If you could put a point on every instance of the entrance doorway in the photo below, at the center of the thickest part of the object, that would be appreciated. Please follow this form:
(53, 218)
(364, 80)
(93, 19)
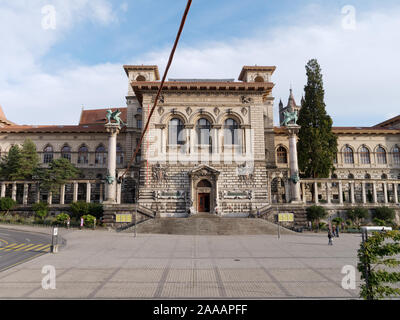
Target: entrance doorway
(203, 202)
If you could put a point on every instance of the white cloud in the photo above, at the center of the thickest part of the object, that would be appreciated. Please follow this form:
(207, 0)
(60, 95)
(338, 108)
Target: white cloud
(361, 68)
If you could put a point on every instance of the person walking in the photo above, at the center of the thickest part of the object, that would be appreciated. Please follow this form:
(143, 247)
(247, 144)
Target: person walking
(333, 230)
(330, 238)
(337, 231)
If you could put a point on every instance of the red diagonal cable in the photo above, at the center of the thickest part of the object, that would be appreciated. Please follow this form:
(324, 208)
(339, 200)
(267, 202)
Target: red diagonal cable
(171, 57)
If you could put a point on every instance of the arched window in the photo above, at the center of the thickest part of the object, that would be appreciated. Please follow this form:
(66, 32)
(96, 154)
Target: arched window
(176, 134)
(83, 155)
(259, 79)
(384, 176)
(231, 132)
(348, 155)
(351, 176)
(140, 78)
(48, 154)
(281, 155)
(66, 153)
(120, 154)
(396, 155)
(367, 176)
(203, 129)
(381, 155)
(100, 155)
(204, 184)
(364, 155)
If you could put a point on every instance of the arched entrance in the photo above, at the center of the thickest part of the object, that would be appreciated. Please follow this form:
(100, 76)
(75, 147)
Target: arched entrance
(204, 196)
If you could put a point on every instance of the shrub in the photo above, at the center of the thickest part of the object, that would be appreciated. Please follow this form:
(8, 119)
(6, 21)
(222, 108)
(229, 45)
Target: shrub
(386, 214)
(379, 222)
(41, 209)
(357, 215)
(6, 204)
(95, 209)
(89, 220)
(79, 209)
(62, 218)
(315, 213)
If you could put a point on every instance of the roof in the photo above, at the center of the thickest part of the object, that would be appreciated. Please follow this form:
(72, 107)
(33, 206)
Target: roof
(142, 68)
(389, 123)
(98, 116)
(201, 80)
(350, 130)
(54, 129)
(255, 68)
(3, 118)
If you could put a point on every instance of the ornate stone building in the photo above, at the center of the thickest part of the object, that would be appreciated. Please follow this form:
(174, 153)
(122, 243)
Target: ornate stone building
(211, 147)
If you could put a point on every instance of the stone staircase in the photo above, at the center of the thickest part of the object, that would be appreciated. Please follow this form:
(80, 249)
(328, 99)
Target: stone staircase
(206, 224)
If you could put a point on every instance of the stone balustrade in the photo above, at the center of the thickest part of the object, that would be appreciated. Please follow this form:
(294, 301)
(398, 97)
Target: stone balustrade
(29, 192)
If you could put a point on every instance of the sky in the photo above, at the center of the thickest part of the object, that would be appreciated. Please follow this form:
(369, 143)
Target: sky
(57, 56)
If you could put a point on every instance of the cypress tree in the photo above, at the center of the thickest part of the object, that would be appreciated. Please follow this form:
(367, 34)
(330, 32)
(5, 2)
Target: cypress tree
(317, 146)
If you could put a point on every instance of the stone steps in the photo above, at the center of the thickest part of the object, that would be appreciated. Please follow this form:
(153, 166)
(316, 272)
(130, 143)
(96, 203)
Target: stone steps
(211, 225)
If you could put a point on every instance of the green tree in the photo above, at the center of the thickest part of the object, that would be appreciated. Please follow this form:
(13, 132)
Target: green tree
(58, 173)
(316, 213)
(386, 214)
(376, 256)
(11, 164)
(79, 209)
(317, 146)
(29, 161)
(41, 210)
(357, 215)
(6, 204)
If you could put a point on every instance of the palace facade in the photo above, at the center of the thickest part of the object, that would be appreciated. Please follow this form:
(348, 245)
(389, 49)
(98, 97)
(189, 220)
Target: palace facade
(211, 147)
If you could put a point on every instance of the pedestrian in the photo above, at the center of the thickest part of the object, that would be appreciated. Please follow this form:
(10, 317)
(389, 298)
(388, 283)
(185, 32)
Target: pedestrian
(81, 226)
(330, 238)
(68, 222)
(258, 213)
(333, 230)
(337, 231)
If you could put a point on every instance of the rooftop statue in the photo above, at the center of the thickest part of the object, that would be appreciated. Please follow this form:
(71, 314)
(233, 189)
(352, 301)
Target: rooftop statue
(114, 116)
(289, 117)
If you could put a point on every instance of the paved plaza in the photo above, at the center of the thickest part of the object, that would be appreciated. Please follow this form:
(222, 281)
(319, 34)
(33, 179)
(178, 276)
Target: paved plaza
(104, 264)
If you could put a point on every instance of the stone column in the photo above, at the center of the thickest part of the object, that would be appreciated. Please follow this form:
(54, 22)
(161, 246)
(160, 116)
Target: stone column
(340, 192)
(352, 198)
(111, 191)
(316, 200)
(75, 194)
(37, 193)
(304, 192)
(328, 193)
(101, 192)
(385, 193)
(14, 191)
(374, 194)
(50, 198)
(396, 197)
(88, 191)
(25, 199)
(364, 195)
(62, 194)
(119, 192)
(294, 166)
(3, 189)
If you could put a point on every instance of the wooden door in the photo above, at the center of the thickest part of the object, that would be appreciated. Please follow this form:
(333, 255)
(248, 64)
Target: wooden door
(203, 202)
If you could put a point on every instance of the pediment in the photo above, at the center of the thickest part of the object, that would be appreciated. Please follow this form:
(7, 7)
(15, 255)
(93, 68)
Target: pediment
(204, 170)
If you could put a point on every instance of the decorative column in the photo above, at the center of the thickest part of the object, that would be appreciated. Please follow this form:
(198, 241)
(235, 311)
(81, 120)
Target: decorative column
(3, 189)
(364, 195)
(328, 193)
(50, 198)
(374, 194)
(396, 196)
(316, 200)
(352, 198)
(75, 195)
(14, 191)
(385, 193)
(88, 191)
(111, 179)
(62, 194)
(293, 130)
(303, 185)
(37, 193)
(25, 199)
(340, 192)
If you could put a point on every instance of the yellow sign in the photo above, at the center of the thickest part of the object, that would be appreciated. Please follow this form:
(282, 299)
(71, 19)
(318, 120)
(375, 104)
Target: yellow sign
(286, 217)
(123, 218)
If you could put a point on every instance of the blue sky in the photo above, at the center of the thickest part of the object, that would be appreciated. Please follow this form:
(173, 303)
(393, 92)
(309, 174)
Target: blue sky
(48, 75)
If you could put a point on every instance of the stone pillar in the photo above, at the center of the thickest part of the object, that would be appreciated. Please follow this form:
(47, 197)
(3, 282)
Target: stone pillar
(3, 190)
(352, 198)
(111, 191)
(75, 195)
(304, 192)
(50, 198)
(37, 193)
(364, 194)
(88, 191)
(328, 193)
(62, 194)
(119, 192)
(287, 191)
(374, 194)
(294, 166)
(14, 191)
(25, 199)
(396, 196)
(340, 192)
(101, 192)
(385, 193)
(316, 200)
